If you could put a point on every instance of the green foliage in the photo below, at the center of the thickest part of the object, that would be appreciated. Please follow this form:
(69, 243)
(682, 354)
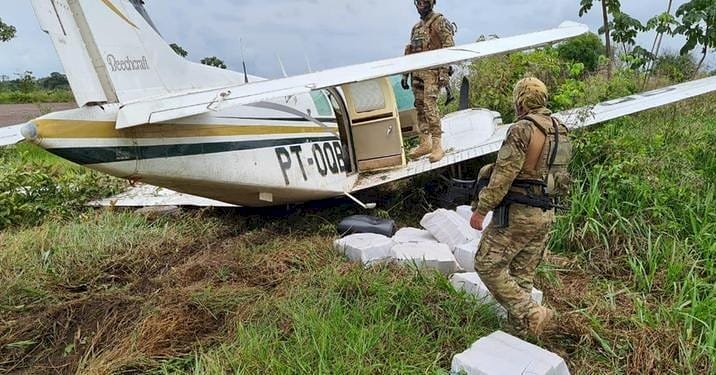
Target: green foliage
(33, 189)
(213, 61)
(698, 25)
(585, 6)
(645, 206)
(663, 23)
(27, 89)
(179, 50)
(625, 28)
(677, 68)
(7, 32)
(585, 49)
(55, 81)
(492, 80)
(27, 82)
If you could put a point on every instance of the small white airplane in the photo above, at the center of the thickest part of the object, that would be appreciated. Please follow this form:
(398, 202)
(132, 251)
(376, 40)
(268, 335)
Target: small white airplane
(150, 116)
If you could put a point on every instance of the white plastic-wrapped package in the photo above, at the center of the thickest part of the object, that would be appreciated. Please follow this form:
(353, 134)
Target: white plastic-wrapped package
(413, 235)
(465, 212)
(448, 227)
(427, 255)
(500, 353)
(465, 255)
(471, 283)
(366, 248)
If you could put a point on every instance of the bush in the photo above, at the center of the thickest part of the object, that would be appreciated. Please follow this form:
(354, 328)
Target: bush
(492, 80)
(32, 190)
(585, 49)
(676, 68)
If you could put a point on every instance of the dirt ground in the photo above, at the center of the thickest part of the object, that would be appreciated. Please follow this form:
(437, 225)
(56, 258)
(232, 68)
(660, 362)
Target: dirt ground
(11, 114)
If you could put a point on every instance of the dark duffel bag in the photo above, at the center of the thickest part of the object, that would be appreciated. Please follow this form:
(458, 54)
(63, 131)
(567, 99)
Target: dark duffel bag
(366, 224)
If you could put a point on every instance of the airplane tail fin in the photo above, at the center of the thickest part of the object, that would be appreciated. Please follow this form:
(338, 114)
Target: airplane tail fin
(112, 53)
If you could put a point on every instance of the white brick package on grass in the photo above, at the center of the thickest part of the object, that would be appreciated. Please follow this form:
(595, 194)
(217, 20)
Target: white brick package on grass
(413, 235)
(427, 255)
(471, 283)
(366, 248)
(448, 227)
(502, 354)
(465, 255)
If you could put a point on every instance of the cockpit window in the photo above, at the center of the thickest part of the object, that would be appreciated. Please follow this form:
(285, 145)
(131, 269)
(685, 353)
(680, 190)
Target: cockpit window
(139, 6)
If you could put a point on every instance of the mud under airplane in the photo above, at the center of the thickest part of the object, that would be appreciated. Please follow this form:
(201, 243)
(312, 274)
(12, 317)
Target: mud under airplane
(150, 116)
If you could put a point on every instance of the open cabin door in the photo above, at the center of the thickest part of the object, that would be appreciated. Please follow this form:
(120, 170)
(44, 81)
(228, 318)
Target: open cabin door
(375, 124)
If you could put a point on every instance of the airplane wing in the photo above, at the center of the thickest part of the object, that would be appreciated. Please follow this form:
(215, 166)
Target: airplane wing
(10, 135)
(191, 103)
(457, 125)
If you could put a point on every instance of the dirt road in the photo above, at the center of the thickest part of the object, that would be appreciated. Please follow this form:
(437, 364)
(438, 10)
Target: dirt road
(11, 114)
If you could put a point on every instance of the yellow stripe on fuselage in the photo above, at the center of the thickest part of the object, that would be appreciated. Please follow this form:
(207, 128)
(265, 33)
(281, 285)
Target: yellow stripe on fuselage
(64, 129)
(116, 11)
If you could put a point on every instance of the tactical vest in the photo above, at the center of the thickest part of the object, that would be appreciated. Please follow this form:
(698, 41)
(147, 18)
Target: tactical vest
(548, 156)
(425, 35)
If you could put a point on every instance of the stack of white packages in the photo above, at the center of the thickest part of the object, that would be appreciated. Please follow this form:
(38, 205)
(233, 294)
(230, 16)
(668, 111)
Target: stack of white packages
(367, 248)
(470, 282)
(413, 235)
(500, 353)
(449, 228)
(427, 255)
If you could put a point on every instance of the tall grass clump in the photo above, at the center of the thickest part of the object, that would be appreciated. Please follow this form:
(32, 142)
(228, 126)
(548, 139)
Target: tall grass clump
(643, 215)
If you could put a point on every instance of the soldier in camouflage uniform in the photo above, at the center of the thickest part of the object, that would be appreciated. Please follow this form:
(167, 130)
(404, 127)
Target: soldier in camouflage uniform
(532, 162)
(433, 32)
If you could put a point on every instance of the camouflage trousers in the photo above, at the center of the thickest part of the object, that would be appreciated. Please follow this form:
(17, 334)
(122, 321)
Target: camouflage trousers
(508, 258)
(426, 88)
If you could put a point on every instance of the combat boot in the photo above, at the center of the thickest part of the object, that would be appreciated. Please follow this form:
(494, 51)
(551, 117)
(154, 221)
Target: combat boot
(422, 149)
(437, 150)
(539, 320)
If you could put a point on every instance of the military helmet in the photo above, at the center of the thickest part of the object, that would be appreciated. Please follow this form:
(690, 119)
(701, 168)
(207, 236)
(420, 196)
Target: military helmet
(432, 2)
(530, 93)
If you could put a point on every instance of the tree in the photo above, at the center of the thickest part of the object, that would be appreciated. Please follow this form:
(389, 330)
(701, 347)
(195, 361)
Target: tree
(7, 32)
(27, 82)
(180, 51)
(213, 61)
(625, 29)
(54, 81)
(608, 7)
(663, 24)
(698, 25)
(585, 49)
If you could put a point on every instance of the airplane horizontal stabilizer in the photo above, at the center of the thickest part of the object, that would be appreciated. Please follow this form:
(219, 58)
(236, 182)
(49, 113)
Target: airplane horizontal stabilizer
(189, 103)
(11, 135)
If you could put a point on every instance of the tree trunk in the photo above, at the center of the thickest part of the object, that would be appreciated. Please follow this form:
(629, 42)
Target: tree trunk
(703, 58)
(607, 38)
(660, 38)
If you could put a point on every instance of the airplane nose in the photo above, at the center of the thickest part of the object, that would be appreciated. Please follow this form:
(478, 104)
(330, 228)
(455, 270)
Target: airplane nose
(29, 131)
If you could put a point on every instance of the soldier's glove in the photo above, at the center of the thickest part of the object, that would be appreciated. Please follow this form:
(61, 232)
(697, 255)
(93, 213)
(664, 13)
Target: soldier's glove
(450, 71)
(404, 82)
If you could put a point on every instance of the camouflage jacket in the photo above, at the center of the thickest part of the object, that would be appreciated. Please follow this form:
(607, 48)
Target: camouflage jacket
(433, 32)
(509, 165)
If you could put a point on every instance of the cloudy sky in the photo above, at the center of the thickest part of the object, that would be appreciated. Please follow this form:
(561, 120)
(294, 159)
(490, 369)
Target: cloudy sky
(327, 33)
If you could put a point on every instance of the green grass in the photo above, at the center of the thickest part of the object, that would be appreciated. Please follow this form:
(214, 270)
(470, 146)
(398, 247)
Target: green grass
(262, 291)
(38, 96)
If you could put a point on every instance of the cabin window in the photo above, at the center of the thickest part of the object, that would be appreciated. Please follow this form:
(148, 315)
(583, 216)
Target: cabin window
(321, 102)
(404, 99)
(367, 96)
